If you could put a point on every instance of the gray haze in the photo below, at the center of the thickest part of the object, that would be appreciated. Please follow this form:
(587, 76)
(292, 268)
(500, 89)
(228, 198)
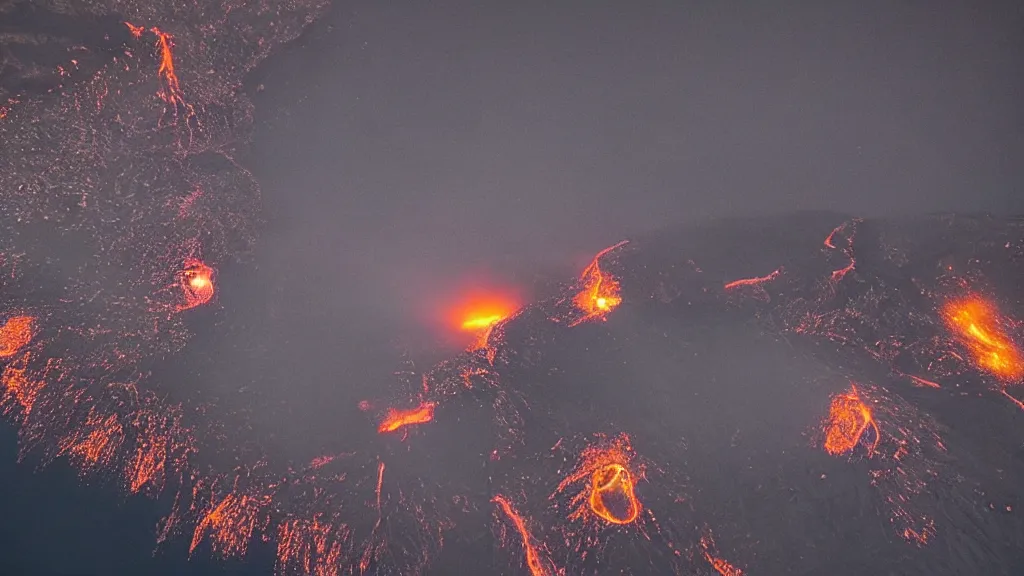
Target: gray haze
(430, 139)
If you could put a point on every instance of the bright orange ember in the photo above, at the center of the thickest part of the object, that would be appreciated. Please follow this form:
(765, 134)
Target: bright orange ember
(601, 291)
(610, 479)
(15, 334)
(848, 418)
(977, 324)
(397, 419)
(196, 284)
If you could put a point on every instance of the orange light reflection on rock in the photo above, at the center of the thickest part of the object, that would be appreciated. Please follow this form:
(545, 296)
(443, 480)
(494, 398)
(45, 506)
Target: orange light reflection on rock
(601, 291)
(97, 443)
(977, 324)
(849, 417)
(159, 437)
(398, 419)
(15, 334)
(534, 560)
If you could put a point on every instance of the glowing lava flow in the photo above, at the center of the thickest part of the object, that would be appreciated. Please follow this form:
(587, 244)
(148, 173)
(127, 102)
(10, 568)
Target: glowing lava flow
(600, 294)
(609, 494)
(196, 284)
(171, 92)
(609, 483)
(848, 418)
(838, 275)
(398, 419)
(15, 334)
(534, 559)
(977, 324)
(753, 281)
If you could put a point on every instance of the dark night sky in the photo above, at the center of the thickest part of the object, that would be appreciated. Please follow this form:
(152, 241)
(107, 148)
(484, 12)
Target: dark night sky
(405, 147)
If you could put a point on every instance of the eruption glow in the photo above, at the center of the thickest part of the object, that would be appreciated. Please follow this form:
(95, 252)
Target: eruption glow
(398, 419)
(478, 311)
(977, 324)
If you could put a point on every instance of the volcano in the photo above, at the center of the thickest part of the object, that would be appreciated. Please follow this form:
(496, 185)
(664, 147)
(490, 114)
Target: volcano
(791, 389)
(809, 393)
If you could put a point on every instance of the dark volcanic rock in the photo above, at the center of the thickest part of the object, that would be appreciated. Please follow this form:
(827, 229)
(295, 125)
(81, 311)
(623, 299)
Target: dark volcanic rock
(724, 393)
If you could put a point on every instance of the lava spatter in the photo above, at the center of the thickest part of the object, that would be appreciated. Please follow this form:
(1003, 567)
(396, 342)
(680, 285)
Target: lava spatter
(162, 446)
(97, 443)
(15, 334)
(20, 388)
(311, 546)
(230, 522)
